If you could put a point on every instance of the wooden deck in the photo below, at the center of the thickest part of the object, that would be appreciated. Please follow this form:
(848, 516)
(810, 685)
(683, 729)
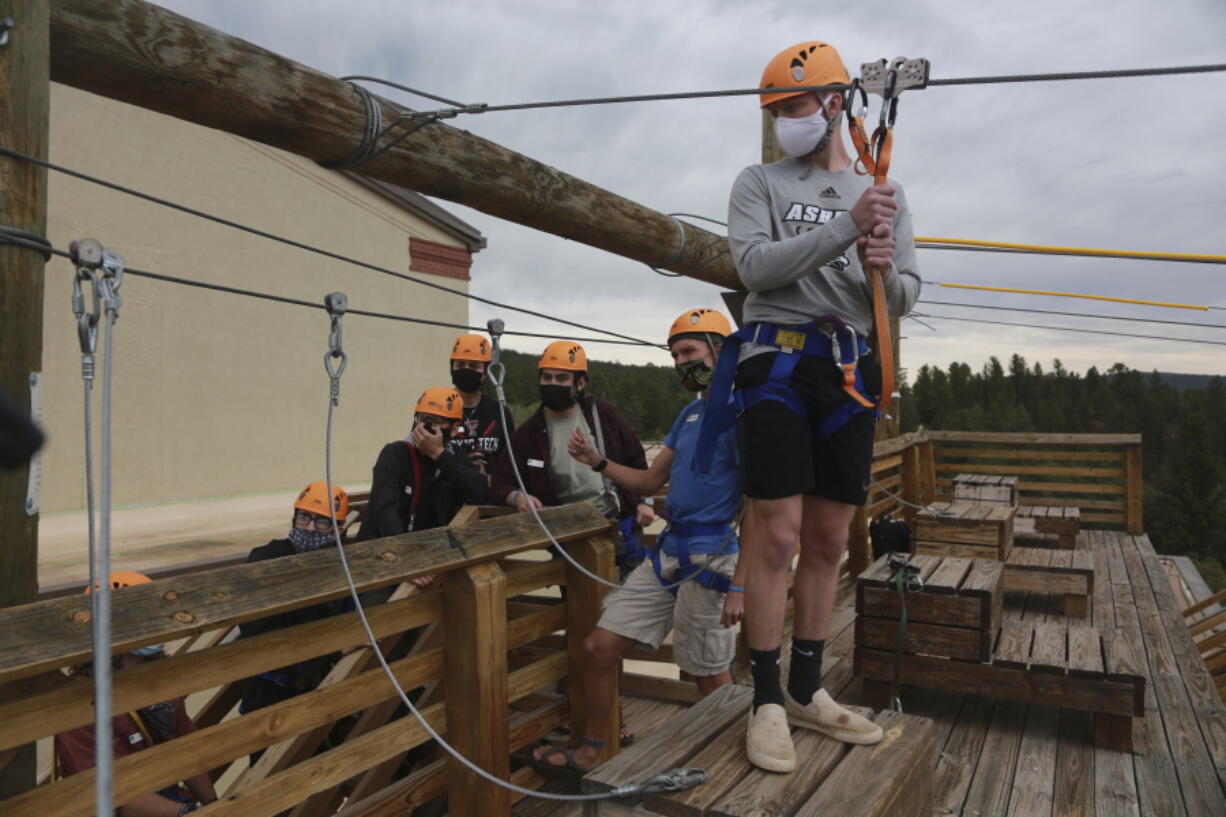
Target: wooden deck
(1009, 758)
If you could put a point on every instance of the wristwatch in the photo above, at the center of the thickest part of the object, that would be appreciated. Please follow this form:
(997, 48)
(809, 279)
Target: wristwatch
(649, 501)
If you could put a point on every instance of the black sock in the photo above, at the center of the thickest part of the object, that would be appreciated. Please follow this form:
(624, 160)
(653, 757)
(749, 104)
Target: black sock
(805, 675)
(766, 685)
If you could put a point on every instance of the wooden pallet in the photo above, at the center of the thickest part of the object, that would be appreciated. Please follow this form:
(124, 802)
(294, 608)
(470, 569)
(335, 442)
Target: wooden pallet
(965, 529)
(985, 488)
(955, 615)
(891, 778)
(1062, 522)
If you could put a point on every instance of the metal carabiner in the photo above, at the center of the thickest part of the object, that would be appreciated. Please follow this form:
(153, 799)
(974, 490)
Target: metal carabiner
(87, 322)
(336, 304)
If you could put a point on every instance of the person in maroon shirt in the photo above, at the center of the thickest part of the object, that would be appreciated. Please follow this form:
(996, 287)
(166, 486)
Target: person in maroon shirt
(135, 731)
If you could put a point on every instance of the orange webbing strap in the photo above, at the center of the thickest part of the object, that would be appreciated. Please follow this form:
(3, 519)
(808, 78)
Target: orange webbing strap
(865, 164)
(881, 316)
(849, 384)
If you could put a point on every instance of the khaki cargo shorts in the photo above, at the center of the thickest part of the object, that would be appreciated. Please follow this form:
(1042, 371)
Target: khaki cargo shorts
(701, 645)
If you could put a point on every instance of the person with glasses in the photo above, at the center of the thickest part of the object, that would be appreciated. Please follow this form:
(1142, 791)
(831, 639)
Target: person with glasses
(317, 512)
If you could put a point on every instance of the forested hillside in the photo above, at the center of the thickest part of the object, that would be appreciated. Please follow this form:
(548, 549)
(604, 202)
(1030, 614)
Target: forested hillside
(1184, 434)
(1184, 428)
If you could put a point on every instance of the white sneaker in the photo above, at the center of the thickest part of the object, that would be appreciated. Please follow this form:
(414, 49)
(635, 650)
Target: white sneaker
(823, 715)
(768, 740)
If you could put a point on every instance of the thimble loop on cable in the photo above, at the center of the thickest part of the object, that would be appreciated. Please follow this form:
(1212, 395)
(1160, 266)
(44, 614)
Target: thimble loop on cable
(336, 304)
(103, 271)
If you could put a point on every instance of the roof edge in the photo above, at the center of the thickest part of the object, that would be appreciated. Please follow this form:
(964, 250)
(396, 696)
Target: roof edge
(419, 205)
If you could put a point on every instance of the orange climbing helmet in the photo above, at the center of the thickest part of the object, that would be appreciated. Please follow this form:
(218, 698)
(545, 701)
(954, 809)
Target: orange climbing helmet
(124, 578)
(700, 323)
(472, 347)
(441, 401)
(810, 63)
(314, 499)
(565, 355)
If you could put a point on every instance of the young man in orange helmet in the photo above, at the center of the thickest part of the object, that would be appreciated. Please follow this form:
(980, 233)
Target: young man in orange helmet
(550, 475)
(699, 542)
(75, 751)
(418, 483)
(479, 434)
(312, 527)
(803, 231)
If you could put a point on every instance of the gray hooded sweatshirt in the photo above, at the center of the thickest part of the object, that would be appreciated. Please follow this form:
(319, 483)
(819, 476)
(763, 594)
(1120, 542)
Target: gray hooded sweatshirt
(793, 243)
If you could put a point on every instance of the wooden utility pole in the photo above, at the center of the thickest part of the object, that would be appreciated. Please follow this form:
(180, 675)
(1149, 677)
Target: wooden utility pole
(24, 103)
(144, 55)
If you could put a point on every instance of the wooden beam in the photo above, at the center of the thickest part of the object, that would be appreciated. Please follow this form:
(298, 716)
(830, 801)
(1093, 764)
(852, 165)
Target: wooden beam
(476, 671)
(1136, 491)
(56, 633)
(583, 606)
(25, 95)
(147, 56)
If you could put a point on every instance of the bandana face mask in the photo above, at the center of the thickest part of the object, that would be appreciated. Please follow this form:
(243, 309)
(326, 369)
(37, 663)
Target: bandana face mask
(695, 374)
(308, 539)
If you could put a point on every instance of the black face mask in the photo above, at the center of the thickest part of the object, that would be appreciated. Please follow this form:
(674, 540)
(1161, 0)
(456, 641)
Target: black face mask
(695, 374)
(466, 380)
(556, 397)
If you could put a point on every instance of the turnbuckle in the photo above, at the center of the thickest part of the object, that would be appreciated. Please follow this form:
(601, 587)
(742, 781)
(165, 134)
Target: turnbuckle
(336, 303)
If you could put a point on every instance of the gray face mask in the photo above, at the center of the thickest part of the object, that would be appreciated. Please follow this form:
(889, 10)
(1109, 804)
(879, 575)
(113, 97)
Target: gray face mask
(308, 539)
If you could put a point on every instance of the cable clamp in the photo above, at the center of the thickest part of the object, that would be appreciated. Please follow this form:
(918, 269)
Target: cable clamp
(103, 271)
(900, 561)
(337, 304)
(673, 780)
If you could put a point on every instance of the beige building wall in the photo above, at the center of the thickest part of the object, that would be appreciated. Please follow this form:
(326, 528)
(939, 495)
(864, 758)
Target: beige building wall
(216, 394)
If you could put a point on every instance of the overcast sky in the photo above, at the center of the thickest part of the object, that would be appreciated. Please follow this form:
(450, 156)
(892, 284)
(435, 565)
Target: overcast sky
(1130, 164)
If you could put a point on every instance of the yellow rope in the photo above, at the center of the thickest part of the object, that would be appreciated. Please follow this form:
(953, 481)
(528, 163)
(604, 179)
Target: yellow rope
(1087, 251)
(1074, 295)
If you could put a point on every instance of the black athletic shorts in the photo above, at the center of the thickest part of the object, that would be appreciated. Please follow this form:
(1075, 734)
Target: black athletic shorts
(779, 454)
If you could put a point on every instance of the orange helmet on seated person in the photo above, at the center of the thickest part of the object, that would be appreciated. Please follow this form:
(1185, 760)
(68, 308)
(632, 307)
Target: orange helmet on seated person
(565, 355)
(314, 499)
(124, 578)
(441, 401)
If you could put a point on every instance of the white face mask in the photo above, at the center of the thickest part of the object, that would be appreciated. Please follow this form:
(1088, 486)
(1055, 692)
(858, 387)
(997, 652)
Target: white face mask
(798, 137)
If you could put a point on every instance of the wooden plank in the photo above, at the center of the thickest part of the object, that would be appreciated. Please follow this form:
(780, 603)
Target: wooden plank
(54, 633)
(675, 742)
(724, 761)
(927, 639)
(1073, 795)
(773, 795)
(892, 777)
(956, 764)
(929, 608)
(1085, 652)
(583, 609)
(67, 707)
(1136, 491)
(1034, 578)
(526, 578)
(1090, 471)
(1049, 653)
(1032, 438)
(476, 696)
(947, 578)
(1036, 764)
(1001, 681)
(1013, 645)
(993, 779)
(948, 452)
(657, 688)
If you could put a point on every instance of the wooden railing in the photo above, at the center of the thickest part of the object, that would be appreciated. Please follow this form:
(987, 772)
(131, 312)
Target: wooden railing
(1098, 473)
(487, 659)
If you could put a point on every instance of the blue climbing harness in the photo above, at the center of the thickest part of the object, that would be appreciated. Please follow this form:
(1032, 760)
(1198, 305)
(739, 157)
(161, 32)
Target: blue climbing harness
(634, 545)
(826, 337)
(679, 535)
